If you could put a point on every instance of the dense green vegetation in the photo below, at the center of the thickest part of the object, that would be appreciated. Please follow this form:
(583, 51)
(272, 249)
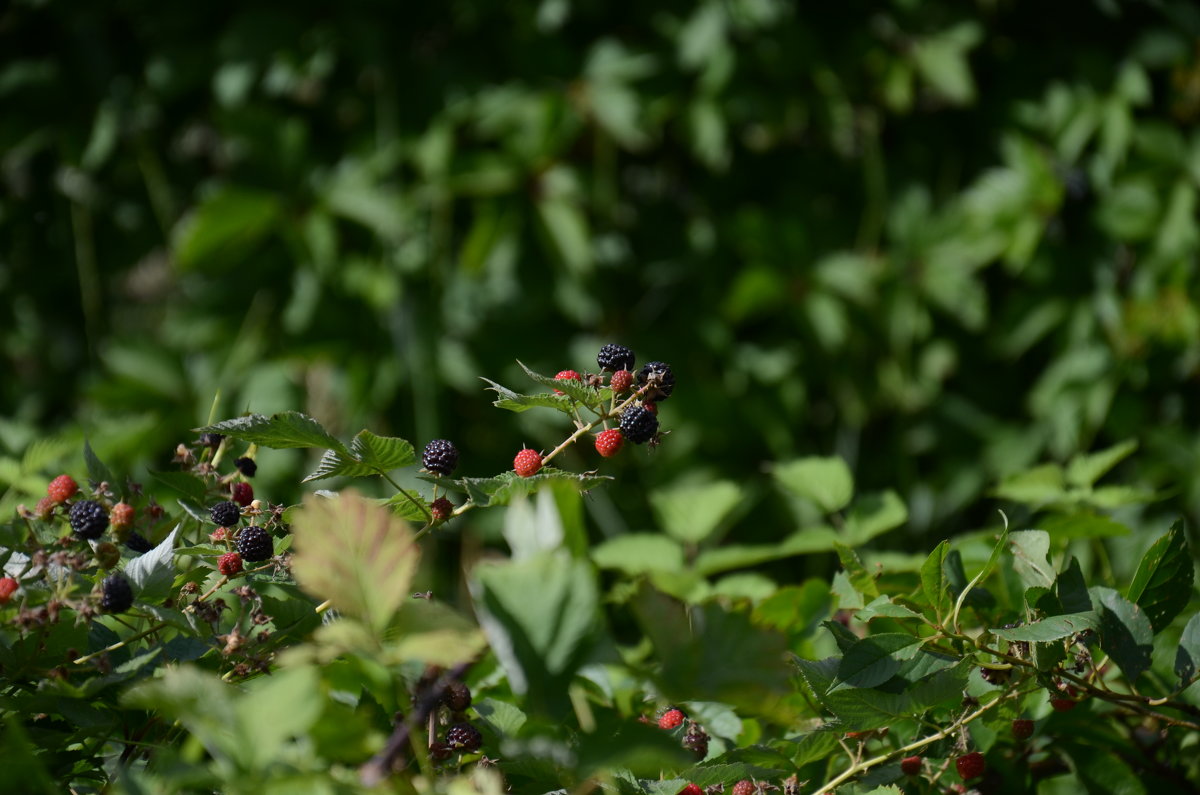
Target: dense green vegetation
(927, 256)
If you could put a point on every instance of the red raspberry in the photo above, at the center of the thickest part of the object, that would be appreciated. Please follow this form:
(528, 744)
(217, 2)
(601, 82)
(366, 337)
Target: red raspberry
(44, 508)
(218, 535)
(441, 509)
(608, 443)
(691, 789)
(566, 374)
(121, 515)
(671, 719)
(1067, 703)
(527, 463)
(1022, 728)
(744, 787)
(8, 586)
(970, 765)
(621, 381)
(62, 488)
(910, 765)
(243, 493)
(229, 564)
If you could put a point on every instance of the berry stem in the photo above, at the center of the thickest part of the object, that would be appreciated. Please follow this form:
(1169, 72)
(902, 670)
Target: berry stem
(321, 608)
(121, 643)
(570, 440)
(407, 496)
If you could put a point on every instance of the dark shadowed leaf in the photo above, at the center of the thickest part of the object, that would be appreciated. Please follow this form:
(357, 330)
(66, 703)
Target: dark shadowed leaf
(1125, 632)
(1187, 656)
(1162, 584)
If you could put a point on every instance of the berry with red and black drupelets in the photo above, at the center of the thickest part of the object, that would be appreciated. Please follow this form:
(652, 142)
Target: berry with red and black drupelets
(230, 564)
(121, 515)
(609, 442)
(658, 381)
(254, 544)
(116, 594)
(88, 519)
(970, 765)
(910, 765)
(441, 509)
(62, 488)
(246, 466)
(613, 357)
(138, 543)
(225, 514)
(8, 587)
(695, 739)
(527, 463)
(1022, 728)
(440, 457)
(242, 493)
(439, 751)
(638, 425)
(456, 696)
(744, 787)
(671, 719)
(566, 375)
(464, 737)
(621, 381)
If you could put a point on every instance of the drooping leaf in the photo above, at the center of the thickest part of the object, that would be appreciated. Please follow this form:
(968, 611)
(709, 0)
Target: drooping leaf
(1163, 582)
(1051, 628)
(825, 481)
(934, 581)
(1126, 634)
(356, 554)
(281, 431)
(862, 580)
(1085, 469)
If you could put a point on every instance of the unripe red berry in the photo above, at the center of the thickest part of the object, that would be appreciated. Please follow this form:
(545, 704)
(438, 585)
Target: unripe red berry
(44, 508)
(121, 515)
(229, 564)
(671, 719)
(527, 463)
(8, 586)
(441, 509)
(910, 765)
(242, 493)
(691, 789)
(744, 787)
(970, 765)
(621, 381)
(608, 443)
(566, 375)
(1022, 728)
(62, 488)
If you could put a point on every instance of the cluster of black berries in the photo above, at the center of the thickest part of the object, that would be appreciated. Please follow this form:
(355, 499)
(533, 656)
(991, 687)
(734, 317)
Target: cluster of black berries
(655, 382)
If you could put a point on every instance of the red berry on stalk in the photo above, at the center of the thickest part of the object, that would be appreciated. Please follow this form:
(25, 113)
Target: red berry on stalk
(608, 443)
(62, 488)
(691, 789)
(1022, 728)
(564, 375)
(44, 508)
(744, 787)
(671, 719)
(121, 515)
(970, 765)
(621, 381)
(8, 586)
(243, 493)
(910, 765)
(230, 564)
(441, 509)
(527, 463)
(1062, 704)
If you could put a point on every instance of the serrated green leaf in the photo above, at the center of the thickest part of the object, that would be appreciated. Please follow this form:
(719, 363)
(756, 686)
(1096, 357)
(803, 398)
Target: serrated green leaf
(1029, 549)
(185, 483)
(873, 515)
(334, 464)
(1163, 582)
(1187, 656)
(577, 390)
(153, 573)
(1085, 470)
(691, 513)
(501, 489)
(862, 580)
(874, 660)
(354, 553)
(637, 553)
(825, 481)
(934, 581)
(412, 507)
(883, 607)
(515, 401)
(97, 471)
(1126, 634)
(859, 709)
(383, 453)
(1051, 628)
(288, 429)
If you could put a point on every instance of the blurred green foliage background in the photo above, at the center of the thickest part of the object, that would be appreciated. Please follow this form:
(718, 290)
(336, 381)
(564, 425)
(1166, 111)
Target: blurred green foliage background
(943, 240)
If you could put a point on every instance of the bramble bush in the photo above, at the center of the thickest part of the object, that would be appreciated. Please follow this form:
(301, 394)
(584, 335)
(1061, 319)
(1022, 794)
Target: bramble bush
(190, 634)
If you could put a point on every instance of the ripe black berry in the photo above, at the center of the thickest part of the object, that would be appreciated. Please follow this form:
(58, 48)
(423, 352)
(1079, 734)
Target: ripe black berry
(254, 544)
(440, 456)
(615, 357)
(212, 440)
(117, 594)
(660, 378)
(464, 737)
(638, 425)
(88, 519)
(138, 543)
(457, 696)
(225, 514)
(695, 740)
(246, 466)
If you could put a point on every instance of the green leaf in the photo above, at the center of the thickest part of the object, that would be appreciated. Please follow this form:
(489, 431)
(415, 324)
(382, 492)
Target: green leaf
(738, 556)
(692, 512)
(862, 580)
(875, 659)
(279, 431)
(260, 717)
(409, 506)
(848, 597)
(383, 453)
(1187, 656)
(859, 709)
(1051, 628)
(225, 229)
(934, 581)
(1062, 527)
(431, 632)
(97, 471)
(1035, 486)
(637, 553)
(1126, 634)
(1029, 549)
(153, 573)
(354, 553)
(874, 515)
(825, 481)
(1162, 584)
(185, 483)
(334, 464)
(883, 607)
(502, 489)
(202, 703)
(1071, 590)
(1085, 470)
(578, 390)
(539, 616)
(514, 401)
